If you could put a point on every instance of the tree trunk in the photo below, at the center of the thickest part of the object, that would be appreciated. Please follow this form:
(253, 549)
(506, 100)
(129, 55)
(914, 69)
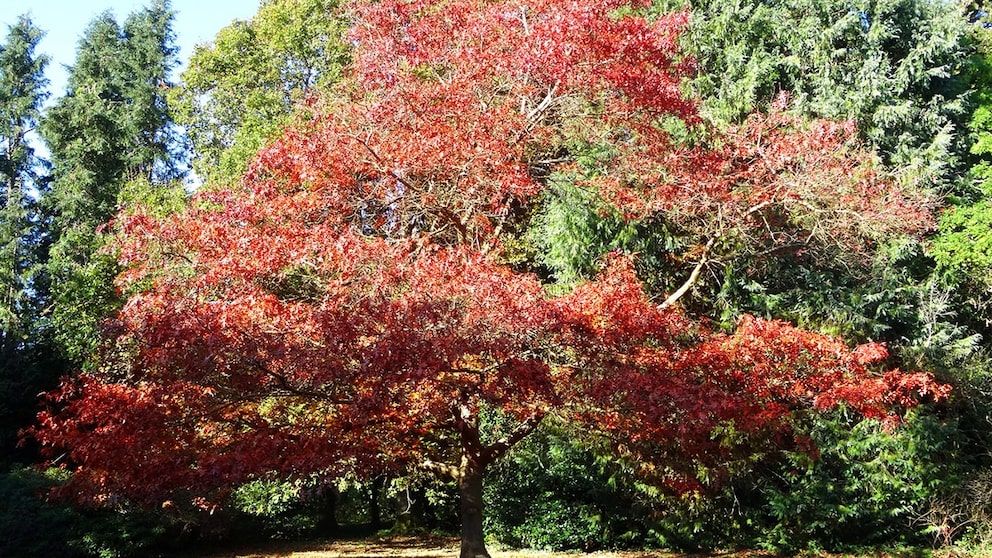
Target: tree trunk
(471, 470)
(470, 492)
(375, 512)
(329, 510)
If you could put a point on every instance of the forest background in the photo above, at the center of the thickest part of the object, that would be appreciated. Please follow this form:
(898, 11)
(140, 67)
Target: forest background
(907, 81)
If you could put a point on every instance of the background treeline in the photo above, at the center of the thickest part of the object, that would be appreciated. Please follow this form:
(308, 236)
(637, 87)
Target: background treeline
(914, 75)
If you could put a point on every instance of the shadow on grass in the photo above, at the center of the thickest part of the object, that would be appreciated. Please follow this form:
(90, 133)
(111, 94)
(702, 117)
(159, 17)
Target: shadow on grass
(363, 544)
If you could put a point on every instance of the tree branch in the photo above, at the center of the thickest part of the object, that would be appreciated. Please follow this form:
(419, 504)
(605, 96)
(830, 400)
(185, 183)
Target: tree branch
(499, 448)
(283, 382)
(693, 277)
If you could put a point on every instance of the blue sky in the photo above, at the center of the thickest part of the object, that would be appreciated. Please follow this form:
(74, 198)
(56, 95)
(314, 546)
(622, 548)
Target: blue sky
(197, 21)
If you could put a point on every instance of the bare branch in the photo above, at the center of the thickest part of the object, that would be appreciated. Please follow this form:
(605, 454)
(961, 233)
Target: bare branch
(693, 277)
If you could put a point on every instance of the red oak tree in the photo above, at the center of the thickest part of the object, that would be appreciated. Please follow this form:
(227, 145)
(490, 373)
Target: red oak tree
(349, 310)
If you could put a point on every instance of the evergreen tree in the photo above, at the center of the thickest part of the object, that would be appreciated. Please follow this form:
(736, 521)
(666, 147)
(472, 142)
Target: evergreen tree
(893, 66)
(22, 92)
(962, 248)
(112, 127)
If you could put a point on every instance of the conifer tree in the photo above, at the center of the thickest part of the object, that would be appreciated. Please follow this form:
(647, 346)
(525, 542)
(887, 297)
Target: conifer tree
(22, 92)
(891, 65)
(112, 127)
(963, 247)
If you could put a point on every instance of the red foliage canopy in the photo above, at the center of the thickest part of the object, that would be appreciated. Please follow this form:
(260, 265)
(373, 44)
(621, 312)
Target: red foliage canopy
(349, 310)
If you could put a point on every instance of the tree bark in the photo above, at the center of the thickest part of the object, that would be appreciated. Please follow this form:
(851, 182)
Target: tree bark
(471, 471)
(375, 512)
(329, 512)
(470, 493)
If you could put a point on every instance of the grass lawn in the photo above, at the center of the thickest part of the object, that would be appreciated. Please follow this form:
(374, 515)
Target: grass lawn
(421, 547)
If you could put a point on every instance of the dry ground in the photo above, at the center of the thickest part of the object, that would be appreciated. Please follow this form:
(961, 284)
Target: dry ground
(410, 547)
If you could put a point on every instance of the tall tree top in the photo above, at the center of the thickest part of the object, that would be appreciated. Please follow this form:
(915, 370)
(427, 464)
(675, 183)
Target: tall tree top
(22, 92)
(111, 128)
(22, 80)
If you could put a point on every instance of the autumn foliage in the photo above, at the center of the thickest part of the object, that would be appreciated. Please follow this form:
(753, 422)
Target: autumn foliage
(348, 308)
